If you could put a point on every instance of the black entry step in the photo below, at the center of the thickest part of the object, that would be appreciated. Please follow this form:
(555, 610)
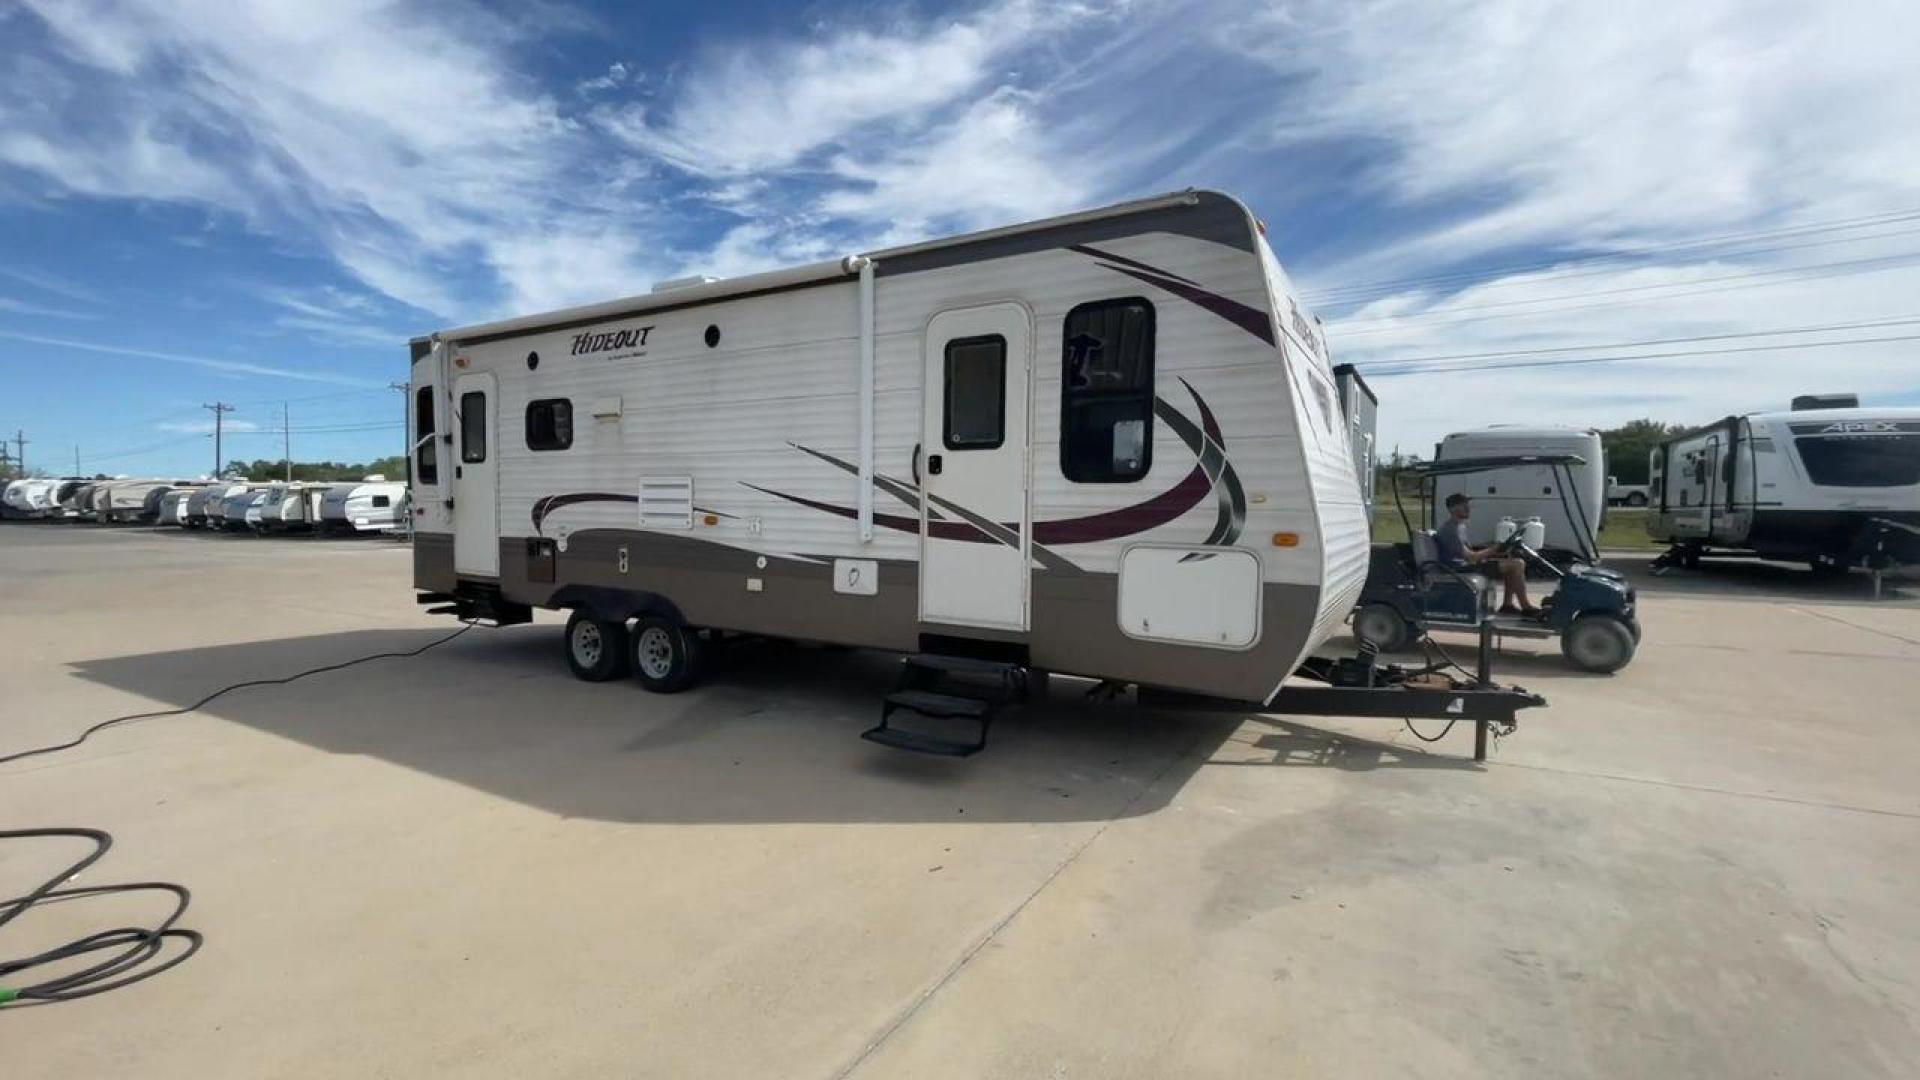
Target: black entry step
(920, 743)
(931, 703)
(934, 703)
(960, 664)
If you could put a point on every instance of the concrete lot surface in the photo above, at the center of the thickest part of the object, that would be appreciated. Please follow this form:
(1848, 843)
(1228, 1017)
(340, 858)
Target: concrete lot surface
(470, 864)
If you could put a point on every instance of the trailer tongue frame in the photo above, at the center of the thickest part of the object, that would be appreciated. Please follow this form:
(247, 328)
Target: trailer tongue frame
(1359, 686)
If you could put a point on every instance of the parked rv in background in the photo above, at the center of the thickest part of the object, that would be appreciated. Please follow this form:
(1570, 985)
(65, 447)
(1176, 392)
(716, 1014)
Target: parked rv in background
(1361, 409)
(1826, 483)
(1572, 517)
(374, 506)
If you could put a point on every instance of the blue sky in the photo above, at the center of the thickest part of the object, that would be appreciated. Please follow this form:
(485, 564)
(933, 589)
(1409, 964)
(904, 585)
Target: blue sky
(259, 203)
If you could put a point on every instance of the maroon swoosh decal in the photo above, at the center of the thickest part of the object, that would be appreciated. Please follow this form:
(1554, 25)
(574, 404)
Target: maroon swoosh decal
(1085, 249)
(1252, 320)
(1113, 524)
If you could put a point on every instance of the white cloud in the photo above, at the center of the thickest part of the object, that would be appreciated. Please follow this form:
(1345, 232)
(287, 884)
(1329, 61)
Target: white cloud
(205, 427)
(24, 307)
(407, 145)
(1623, 129)
(233, 367)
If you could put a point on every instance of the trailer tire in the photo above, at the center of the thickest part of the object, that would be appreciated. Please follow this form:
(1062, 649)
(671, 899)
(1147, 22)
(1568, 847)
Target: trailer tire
(596, 648)
(666, 654)
(1636, 499)
(1598, 643)
(1380, 625)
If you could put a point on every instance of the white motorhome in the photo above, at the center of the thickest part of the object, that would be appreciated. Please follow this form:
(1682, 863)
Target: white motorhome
(1572, 517)
(16, 498)
(1107, 443)
(235, 507)
(132, 500)
(1831, 487)
(371, 506)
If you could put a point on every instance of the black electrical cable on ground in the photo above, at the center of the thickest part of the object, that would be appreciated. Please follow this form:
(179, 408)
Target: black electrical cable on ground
(132, 950)
(131, 717)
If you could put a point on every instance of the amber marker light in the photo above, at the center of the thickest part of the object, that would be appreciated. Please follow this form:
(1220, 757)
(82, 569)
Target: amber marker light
(1286, 539)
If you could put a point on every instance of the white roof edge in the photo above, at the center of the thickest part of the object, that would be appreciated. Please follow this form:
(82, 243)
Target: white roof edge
(798, 275)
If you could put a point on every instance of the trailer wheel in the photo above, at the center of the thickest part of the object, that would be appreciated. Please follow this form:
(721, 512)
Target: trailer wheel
(1636, 499)
(1380, 625)
(1598, 643)
(596, 648)
(666, 654)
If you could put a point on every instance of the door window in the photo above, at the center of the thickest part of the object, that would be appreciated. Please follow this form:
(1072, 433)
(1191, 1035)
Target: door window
(473, 426)
(976, 393)
(426, 465)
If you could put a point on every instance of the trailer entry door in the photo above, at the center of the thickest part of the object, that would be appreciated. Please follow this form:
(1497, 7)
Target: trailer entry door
(476, 518)
(974, 526)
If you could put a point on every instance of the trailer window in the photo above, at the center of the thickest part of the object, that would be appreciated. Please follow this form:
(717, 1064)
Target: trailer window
(473, 426)
(381, 502)
(1861, 461)
(426, 466)
(1106, 392)
(549, 424)
(976, 393)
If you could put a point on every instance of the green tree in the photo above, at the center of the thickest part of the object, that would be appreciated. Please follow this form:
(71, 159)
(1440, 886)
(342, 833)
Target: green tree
(1629, 444)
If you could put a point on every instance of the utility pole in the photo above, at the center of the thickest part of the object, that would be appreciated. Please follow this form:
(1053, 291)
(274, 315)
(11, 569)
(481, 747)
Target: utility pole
(286, 434)
(20, 451)
(406, 455)
(219, 409)
(76, 461)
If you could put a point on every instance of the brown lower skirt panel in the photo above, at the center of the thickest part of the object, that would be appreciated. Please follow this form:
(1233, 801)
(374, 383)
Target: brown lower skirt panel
(1075, 628)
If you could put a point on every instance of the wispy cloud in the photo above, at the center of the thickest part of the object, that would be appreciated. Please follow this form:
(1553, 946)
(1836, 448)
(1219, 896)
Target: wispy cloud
(22, 307)
(205, 427)
(51, 283)
(234, 367)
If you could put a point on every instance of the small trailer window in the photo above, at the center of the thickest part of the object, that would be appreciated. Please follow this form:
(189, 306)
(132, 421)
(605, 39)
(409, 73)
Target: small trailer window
(381, 502)
(1106, 392)
(426, 466)
(549, 424)
(473, 426)
(976, 393)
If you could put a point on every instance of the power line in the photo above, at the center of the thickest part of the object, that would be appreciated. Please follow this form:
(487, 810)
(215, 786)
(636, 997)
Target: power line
(1387, 286)
(1439, 369)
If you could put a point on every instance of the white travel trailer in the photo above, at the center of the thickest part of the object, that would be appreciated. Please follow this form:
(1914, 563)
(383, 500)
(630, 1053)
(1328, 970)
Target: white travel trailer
(235, 507)
(1572, 517)
(1831, 487)
(1362, 412)
(285, 508)
(132, 500)
(1107, 444)
(372, 506)
(173, 506)
(17, 498)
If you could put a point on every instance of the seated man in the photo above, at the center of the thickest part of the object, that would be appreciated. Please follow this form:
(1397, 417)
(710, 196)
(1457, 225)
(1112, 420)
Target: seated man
(1457, 553)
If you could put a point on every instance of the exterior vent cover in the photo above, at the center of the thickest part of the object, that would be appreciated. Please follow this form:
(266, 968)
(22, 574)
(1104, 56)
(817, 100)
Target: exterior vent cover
(1807, 402)
(666, 502)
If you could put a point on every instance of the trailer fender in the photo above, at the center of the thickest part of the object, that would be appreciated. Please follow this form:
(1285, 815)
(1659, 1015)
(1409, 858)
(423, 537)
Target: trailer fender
(615, 605)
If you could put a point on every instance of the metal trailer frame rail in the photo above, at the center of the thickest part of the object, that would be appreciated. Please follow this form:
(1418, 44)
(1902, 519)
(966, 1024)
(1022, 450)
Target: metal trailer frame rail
(1357, 686)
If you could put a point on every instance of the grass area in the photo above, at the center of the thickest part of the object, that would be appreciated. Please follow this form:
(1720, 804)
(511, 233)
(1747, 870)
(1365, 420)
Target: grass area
(1623, 530)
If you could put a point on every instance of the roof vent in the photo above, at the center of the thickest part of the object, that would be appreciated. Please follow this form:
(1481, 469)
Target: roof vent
(1826, 401)
(687, 282)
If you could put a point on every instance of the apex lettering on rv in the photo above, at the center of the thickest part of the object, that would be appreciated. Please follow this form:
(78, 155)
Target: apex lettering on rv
(609, 340)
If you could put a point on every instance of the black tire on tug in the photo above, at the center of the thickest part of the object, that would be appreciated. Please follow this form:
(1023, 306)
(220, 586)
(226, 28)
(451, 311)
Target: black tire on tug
(596, 648)
(1380, 625)
(666, 654)
(1598, 643)
(1636, 499)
